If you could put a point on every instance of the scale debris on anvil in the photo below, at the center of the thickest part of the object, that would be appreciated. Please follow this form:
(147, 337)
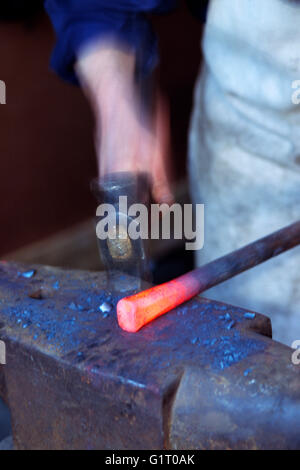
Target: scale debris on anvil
(185, 381)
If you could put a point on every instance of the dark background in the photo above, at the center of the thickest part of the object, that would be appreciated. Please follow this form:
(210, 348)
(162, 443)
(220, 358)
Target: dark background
(46, 145)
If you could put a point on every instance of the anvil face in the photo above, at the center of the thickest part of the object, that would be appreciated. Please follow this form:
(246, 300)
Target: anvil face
(194, 378)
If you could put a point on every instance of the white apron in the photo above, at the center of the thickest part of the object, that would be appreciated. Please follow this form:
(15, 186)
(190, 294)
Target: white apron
(244, 160)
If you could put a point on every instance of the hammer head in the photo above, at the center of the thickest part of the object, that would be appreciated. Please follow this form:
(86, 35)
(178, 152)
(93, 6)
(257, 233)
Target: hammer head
(119, 252)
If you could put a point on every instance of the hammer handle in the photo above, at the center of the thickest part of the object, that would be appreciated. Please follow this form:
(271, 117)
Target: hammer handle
(136, 311)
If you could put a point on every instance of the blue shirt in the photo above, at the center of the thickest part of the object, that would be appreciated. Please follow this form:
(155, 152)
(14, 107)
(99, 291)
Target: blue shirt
(77, 22)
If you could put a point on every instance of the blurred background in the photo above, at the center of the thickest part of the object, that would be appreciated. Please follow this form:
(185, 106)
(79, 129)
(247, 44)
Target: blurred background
(46, 144)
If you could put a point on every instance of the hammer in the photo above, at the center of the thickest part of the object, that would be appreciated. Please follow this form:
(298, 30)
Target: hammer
(119, 252)
(136, 311)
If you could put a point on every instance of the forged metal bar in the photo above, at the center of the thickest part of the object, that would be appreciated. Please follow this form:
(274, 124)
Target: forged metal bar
(136, 311)
(207, 376)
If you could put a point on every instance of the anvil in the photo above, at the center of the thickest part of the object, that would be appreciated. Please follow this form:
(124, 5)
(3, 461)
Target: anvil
(204, 376)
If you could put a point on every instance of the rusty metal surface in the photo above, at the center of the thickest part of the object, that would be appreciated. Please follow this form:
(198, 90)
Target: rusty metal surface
(206, 375)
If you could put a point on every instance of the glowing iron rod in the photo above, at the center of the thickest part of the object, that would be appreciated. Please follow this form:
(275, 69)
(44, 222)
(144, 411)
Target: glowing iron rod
(136, 311)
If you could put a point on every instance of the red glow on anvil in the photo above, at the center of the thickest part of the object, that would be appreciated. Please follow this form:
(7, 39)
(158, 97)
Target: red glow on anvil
(136, 311)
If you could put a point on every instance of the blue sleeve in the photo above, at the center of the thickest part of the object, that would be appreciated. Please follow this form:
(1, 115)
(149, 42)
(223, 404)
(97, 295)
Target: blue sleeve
(77, 22)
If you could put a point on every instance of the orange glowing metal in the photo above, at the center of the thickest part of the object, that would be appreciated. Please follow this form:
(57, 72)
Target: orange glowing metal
(136, 311)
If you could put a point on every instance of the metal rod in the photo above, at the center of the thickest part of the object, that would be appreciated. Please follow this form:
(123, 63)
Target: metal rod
(136, 311)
